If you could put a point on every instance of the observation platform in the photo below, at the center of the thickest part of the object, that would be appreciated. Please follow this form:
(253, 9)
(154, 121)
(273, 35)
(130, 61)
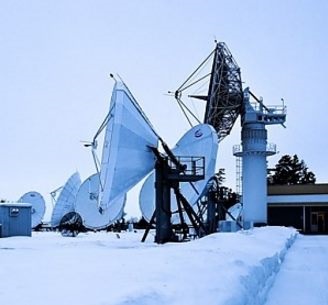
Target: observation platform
(268, 115)
(271, 149)
(187, 169)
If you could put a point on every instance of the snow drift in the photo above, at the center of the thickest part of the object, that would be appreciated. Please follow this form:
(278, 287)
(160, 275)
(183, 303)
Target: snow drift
(101, 269)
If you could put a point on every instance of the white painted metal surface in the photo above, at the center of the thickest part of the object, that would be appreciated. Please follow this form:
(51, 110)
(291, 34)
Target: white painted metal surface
(254, 140)
(254, 153)
(38, 206)
(235, 211)
(201, 141)
(66, 199)
(87, 205)
(299, 199)
(126, 157)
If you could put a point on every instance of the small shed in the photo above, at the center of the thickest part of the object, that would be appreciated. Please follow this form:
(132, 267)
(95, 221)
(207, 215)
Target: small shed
(15, 219)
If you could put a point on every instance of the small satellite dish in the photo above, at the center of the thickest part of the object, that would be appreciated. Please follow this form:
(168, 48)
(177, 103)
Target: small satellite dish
(38, 206)
(201, 140)
(86, 206)
(66, 199)
(126, 156)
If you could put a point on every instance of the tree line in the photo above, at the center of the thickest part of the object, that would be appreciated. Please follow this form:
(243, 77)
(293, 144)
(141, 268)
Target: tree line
(290, 170)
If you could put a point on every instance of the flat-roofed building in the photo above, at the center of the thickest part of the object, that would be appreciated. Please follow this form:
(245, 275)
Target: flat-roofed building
(303, 206)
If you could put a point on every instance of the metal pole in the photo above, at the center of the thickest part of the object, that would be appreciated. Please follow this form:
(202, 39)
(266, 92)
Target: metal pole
(163, 204)
(211, 221)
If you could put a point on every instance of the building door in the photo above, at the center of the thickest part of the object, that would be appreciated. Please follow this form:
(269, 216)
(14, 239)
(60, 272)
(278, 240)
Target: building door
(314, 222)
(321, 222)
(318, 222)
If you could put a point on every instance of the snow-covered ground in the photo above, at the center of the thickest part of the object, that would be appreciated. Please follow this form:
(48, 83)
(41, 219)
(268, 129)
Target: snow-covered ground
(102, 269)
(303, 278)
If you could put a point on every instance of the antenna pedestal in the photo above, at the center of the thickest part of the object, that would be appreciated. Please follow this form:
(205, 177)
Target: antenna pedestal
(169, 172)
(164, 232)
(211, 212)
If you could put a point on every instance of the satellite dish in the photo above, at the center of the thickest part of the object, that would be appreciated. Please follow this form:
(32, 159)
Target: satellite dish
(38, 206)
(201, 140)
(86, 206)
(126, 156)
(66, 199)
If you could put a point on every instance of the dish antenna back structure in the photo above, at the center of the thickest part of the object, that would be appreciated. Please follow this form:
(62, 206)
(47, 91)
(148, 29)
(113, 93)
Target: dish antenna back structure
(180, 179)
(217, 82)
(225, 101)
(220, 88)
(200, 140)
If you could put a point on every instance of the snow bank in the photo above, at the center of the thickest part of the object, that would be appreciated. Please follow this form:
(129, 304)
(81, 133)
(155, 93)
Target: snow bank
(102, 269)
(258, 282)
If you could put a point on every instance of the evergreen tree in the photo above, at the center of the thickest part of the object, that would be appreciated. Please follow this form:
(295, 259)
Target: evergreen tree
(225, 193)
(291, 170)
(220, 175)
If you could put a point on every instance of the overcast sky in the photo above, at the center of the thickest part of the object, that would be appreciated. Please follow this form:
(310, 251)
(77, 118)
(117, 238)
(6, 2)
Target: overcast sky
(55, 58)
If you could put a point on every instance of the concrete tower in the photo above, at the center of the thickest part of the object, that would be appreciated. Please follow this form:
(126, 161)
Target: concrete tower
(254, 151)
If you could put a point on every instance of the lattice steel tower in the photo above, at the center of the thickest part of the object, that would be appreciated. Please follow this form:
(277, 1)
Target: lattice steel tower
(225, 101)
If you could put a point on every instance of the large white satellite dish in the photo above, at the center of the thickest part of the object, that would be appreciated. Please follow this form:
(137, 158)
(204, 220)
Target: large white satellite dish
(201, 140)
(86, 206)
(126, 156)
(66, 199)
(38, 206)
(126, 159)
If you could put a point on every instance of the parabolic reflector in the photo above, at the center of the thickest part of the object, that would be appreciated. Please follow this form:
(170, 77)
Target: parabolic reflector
(86, 206)
(200, 141)
(126, 157)
(38, 206)
(66, 199)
